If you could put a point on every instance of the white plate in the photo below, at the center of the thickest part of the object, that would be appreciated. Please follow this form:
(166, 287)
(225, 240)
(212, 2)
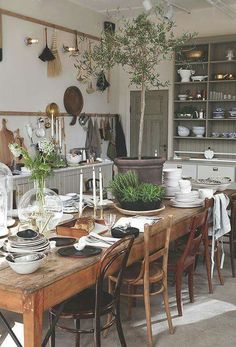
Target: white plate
(10, 222)
(196, 203)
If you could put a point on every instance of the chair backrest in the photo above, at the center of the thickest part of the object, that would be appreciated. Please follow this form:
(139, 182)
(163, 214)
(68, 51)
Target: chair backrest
(89, 184)
(152, 249)
(233, 215)
(113, 260)
(198, 230)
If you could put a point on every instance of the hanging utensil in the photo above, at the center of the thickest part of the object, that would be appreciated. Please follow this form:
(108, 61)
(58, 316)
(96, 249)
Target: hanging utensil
(54, 66)
(46, 54)
(40, 132)
(73, 102)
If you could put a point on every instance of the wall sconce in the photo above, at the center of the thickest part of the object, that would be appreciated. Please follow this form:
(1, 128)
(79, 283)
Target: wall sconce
(29, 41)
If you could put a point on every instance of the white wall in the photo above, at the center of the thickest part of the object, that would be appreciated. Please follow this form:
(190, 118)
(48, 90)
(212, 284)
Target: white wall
(24, 85)
(207, 22)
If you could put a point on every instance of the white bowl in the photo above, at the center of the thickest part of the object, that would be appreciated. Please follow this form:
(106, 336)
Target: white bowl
(183, 131)
(171, 182)
(198, 131)
(182, 97)
(73, 159)
(26, 264)
(172, 172)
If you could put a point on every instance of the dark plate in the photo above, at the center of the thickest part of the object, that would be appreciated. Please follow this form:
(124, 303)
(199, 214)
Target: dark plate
(27, 234)
(63, 241)
(88, 251)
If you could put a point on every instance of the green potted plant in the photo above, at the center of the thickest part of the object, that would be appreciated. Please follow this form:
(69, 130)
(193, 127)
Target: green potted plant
(138, 46)
(134, 195)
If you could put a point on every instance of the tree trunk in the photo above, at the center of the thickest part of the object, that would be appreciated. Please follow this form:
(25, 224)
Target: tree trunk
(140, 142)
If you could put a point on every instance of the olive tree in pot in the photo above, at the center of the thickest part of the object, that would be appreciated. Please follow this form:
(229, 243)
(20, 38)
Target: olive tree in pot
(138, 46)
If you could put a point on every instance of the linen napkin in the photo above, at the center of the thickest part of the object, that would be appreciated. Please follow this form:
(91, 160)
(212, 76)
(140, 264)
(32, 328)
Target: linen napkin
(136, 222)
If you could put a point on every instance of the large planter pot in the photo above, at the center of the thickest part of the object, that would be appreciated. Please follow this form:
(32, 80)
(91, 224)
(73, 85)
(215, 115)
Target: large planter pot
(148, 169)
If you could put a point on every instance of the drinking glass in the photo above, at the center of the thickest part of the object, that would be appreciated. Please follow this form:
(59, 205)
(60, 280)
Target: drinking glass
(109, 219)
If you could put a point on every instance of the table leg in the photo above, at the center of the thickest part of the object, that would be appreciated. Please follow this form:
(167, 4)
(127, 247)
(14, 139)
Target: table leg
(33, 319)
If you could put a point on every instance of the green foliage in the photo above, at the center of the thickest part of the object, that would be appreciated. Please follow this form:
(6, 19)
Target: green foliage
(138, 46)
(126, 187)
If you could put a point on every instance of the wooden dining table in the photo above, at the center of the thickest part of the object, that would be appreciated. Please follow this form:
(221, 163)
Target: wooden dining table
(61, 277)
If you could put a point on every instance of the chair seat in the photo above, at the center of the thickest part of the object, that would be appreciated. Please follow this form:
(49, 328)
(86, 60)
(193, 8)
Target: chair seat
(132, 272)
(82, 305)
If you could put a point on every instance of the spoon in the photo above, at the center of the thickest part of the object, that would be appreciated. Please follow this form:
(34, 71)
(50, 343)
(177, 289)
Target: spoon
(79, 246)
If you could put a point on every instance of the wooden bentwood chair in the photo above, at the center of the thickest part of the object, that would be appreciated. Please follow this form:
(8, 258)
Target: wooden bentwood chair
(148, 272)
(95, 302)
(185, 263)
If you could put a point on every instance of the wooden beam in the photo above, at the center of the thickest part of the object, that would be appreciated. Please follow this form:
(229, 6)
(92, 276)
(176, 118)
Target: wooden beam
(47, 24)
(43, 114)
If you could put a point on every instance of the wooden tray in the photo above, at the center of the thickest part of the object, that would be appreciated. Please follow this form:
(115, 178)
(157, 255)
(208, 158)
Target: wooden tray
(67, 229)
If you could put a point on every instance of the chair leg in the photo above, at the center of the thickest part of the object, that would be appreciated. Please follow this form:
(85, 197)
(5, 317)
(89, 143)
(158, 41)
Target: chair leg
(97, 333)
(208, 266)
(111, 285)
(130, 300)
(53, 335)
(167, 308)
(148, 313)
(190, 284)
(218, 263)
(178, 287)
(119, 326)
(231, 248)
(77, 336)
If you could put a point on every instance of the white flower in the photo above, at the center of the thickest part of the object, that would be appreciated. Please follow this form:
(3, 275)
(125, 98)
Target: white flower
(15, 149)
(46, 146)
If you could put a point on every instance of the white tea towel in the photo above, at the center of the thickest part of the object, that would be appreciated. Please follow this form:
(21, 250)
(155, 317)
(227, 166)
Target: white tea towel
(221, 225)
(136, 222)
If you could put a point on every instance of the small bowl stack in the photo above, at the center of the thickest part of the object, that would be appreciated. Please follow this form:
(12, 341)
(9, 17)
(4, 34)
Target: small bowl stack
(171, 179)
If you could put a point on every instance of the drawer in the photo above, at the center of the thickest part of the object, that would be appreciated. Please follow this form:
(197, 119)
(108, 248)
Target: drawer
(188, 170)
(215, 171)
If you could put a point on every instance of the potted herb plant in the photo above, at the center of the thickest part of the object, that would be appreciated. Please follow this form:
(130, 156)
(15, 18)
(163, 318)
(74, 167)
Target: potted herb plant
(134, 195)
(138, 46)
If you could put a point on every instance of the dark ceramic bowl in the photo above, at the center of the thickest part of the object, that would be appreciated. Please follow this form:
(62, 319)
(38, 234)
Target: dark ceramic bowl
(27, 234)
(141, 205)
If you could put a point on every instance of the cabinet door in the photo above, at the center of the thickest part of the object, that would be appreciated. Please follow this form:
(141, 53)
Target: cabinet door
(188, 170)
(216, 171)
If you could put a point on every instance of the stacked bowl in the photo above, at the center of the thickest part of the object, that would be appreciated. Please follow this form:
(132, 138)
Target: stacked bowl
(171, 179)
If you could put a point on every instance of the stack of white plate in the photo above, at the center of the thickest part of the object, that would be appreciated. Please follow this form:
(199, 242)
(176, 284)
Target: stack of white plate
(70, 203)
(171, 179)
(16, 244)
(187, 200)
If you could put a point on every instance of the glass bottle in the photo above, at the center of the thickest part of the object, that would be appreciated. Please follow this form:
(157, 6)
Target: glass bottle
(3, 205)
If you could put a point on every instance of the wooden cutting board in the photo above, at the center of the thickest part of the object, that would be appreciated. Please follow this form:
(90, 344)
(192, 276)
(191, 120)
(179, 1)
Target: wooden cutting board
(6, 137)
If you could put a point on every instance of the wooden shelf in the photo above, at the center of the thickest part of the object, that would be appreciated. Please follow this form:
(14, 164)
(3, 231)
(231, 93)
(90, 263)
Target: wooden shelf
(191, 63)
(222, 100)
(204, 138)
(222, 119)
(191, 82)
(190, 119)
(222, 61)
(190, 101)
(221, 81)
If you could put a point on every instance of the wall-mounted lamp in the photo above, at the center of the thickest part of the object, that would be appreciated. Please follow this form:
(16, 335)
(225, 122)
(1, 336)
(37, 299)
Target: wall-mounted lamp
(29, 41)
(67, 49)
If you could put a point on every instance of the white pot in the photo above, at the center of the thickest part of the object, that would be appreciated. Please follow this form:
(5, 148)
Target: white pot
(185, 74)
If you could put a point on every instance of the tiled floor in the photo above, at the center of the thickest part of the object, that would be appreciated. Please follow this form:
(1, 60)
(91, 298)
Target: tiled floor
(209, 322)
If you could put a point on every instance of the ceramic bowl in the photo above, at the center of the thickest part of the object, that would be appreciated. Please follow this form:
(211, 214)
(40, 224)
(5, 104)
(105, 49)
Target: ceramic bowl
(182, 97)
(26, 264)
(198, 131)
(214, 134)
(73, 159)
(183, 131)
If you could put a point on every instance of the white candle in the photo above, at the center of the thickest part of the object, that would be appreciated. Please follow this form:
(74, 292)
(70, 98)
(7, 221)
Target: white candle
(81, 193)
(100, 187)
(59, 125)
(52, 124)
(56, 131)
(94, 189)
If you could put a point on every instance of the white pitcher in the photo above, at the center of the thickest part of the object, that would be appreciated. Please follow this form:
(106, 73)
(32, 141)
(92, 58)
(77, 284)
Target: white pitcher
(185, 74)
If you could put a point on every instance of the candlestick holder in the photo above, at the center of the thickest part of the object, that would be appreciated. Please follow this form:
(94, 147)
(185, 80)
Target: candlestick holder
(95, 212)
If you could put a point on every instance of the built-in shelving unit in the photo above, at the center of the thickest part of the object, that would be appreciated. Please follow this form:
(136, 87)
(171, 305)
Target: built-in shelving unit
(215, 93)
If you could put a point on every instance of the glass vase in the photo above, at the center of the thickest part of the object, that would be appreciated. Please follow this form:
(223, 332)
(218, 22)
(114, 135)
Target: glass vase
(6, 172)
(41, 207)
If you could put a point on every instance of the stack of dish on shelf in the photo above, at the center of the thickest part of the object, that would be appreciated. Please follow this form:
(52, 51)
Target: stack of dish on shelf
(171, 179)
(219, 113)
(233, 113)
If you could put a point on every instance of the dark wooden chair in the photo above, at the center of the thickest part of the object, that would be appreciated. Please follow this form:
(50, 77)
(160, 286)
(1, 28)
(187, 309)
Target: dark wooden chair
(148, 272)
(95, 302)
(185, 263)
(89, 184)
